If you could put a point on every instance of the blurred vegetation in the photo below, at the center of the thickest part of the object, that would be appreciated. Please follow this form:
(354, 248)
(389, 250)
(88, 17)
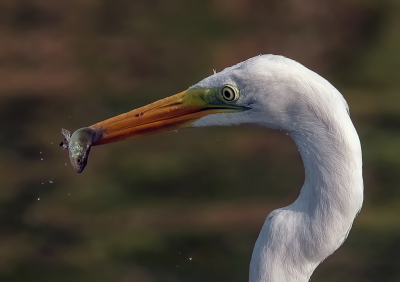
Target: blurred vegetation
(186, 206)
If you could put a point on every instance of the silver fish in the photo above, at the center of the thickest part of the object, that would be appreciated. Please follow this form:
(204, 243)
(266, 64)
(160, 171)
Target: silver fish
(78, 145)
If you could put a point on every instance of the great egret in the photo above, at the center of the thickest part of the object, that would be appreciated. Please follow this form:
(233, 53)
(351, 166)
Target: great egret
(279, 93)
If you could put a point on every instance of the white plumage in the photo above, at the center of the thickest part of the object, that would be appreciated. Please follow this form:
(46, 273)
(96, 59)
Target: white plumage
(282, 94)
(279, 93)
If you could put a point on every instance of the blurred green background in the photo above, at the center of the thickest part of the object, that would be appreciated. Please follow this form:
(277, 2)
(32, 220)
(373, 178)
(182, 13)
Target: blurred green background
(184, 206)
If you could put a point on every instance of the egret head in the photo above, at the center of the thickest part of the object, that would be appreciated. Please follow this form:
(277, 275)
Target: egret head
(269, 90)
(276, 92)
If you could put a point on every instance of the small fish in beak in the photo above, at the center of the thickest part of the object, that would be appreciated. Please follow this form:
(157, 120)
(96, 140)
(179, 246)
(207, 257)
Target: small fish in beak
(78, 146)
(171, 113)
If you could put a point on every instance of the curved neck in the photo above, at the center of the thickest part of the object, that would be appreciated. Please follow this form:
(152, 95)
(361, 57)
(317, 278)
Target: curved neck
(331, 155)
(295, 239)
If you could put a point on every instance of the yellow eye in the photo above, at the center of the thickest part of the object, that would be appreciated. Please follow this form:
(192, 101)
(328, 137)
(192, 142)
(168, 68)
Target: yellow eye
(229, 93)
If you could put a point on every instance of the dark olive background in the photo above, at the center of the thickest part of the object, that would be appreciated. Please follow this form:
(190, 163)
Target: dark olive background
(183, 206)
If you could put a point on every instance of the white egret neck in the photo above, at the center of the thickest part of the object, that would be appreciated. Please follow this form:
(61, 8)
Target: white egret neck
(281, 93)
(296, 239)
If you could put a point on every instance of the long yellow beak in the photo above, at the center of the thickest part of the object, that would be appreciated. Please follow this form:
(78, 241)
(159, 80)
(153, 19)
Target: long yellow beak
(177, 111)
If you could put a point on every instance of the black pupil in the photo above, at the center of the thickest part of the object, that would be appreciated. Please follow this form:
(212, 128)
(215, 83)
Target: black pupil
(228, 94)
(79, 160)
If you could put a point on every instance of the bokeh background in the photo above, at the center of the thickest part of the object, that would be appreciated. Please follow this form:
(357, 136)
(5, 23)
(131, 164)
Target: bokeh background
(185, 206)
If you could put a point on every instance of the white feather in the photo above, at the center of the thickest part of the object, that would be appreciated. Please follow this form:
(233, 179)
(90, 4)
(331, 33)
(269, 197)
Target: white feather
(283, 94)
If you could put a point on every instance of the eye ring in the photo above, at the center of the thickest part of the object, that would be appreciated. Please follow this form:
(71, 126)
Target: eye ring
(229, 93)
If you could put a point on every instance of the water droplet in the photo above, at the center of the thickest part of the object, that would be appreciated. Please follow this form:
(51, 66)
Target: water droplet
(41, 159)
(40, 152)
(42, 183)
(51, 181)
(190, 258)
(65, 163)
(176, 131)
(69, 194)
(287, 133)
(51, 143)
(38, 199)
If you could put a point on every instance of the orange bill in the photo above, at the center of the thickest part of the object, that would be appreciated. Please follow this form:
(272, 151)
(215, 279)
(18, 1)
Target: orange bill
(175, 112)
